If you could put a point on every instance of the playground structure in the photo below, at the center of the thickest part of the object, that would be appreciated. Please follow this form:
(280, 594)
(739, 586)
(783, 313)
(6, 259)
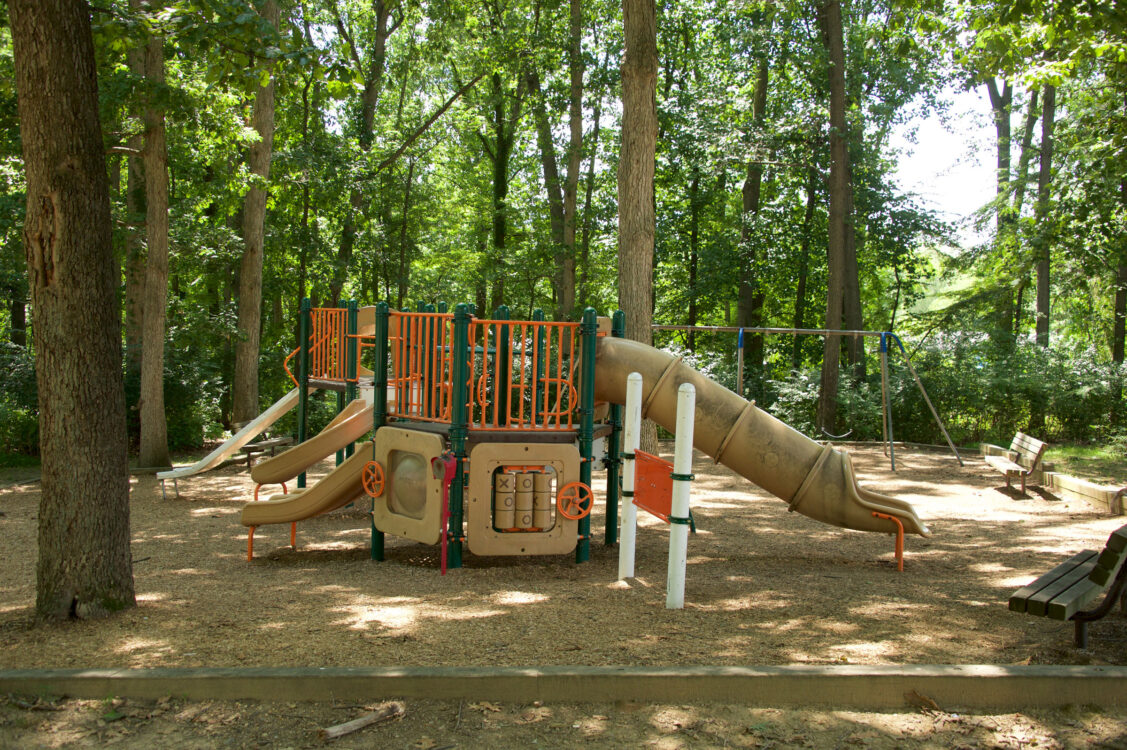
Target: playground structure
(485, 432)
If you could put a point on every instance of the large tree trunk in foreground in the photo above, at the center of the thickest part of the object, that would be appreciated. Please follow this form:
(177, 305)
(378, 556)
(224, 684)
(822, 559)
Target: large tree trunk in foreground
(636, 176)
(245, 397)
(838, 187)
(153, 450)
(84, 567)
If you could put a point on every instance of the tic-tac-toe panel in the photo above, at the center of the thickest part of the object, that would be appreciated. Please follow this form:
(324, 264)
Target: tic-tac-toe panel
(511, 503)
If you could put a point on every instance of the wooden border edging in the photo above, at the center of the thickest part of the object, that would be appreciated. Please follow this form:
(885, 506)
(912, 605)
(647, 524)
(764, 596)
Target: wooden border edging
(805, 686)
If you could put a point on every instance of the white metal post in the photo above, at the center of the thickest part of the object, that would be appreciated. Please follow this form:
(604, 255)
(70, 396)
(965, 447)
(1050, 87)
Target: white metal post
(679, 512)
(631, 438)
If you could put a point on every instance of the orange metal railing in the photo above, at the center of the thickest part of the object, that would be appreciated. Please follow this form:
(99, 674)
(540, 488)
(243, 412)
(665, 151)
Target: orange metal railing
(529, 386)
(328, 345)
(422, 366)
(520, 372)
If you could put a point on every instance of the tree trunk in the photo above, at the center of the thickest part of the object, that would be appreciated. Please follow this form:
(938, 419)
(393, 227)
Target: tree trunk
(749, 308)
(17, 322)
(369, 98)
(153, 450)
(134, 239)
(803, 267)
(565, 293)
(851, 294)
(1001, 105)
(839, 192)
(589, 190)
(636, 175)
(694, 254)
(245, 397)
(1044, 231)
(574, 157)
(404, 257)
(84, 567)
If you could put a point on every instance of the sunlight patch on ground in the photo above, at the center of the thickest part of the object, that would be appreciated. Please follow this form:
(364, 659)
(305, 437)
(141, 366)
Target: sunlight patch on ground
(151, 597)
(503, 598)
(221, 511)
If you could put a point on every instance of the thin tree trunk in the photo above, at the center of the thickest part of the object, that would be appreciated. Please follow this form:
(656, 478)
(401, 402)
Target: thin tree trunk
(1001, 104)
(84, 567)
(153, 450)
(694, 253)
(1044, 232)
(838, 189)
(574, 158)
(749, 309)
(636, 223)
(245, 397)
(803, 268)
(404, 258)
(589, 190)
(564, 286)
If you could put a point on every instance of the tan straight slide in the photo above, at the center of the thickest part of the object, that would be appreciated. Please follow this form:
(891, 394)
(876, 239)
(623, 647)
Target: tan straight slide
(353, 423)
(238, 440)
(813, 479)
(338, 488)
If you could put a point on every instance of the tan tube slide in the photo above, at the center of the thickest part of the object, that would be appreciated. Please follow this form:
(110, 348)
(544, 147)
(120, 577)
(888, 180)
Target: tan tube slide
(338, 488)
(814, 480)
(353, 423)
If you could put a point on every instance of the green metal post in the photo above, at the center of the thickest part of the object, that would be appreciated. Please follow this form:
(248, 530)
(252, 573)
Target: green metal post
(614, 459)
(379, 403)
(587, 331)
(305, 324)
(459, 431)
(352, 352)
(502, 362)
(538, 373)
(430, 373)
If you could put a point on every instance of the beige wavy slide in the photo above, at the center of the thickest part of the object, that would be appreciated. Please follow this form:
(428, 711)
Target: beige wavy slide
(814, 480)
(338, 488)
(248, 433)
(353, 423)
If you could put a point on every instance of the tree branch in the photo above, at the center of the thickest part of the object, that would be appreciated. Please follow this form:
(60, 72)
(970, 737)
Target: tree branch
(426, 125)
(348, 38)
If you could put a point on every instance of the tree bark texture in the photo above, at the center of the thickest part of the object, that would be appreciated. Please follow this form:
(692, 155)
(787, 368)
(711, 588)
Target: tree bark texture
(153, 450)
(637, 153)
(838, 189)
(636, 168)
(244, 405)
(84, 567)
(1044, 232)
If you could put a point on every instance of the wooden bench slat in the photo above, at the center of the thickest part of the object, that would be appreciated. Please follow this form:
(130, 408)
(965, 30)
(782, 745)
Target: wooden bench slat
(1118, 539)
(1078, 597)
(1004, 465)
(1107, 565)
(1019, 600)
(1060, 589)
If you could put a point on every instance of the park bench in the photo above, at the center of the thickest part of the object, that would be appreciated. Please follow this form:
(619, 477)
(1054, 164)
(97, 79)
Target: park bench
(1061, 593)
(1022, 459)
(271, 444)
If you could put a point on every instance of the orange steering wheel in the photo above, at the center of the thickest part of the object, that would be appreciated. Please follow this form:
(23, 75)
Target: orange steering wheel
(575, 500)
(372, 478)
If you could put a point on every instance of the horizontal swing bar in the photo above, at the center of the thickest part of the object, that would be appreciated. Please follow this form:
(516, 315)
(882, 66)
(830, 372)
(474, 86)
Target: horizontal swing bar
(737, 329)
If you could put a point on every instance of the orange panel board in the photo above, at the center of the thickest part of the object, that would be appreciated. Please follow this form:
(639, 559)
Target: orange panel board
(653, 484)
